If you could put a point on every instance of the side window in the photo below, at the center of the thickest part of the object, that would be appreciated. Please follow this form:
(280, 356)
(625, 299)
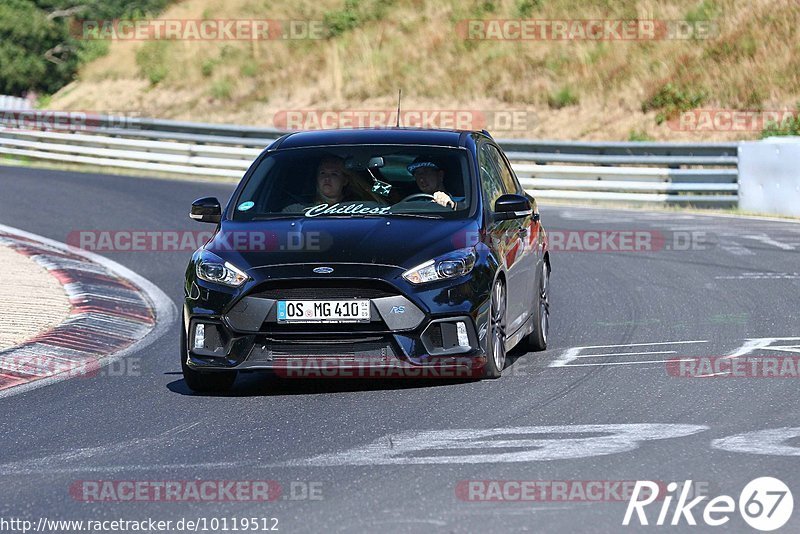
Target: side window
(506, 174)
(491, 181)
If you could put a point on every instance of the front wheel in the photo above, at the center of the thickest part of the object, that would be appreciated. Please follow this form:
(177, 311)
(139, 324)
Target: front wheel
(211, 382)
(537, 340)
(496, 343)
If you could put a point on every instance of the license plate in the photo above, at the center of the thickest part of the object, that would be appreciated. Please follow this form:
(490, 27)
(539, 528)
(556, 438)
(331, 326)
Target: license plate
(323, 311)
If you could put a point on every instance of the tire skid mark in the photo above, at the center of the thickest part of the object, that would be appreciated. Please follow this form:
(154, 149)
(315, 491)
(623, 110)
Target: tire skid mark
(108, 315)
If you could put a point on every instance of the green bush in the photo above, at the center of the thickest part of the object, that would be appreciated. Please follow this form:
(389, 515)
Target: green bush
(339, 22)
(562, 98)
(221, 89)
(249, 69)
(152, 61)
(639, 135)
(483, 7)
(789, 126)
(354, 14)
(525, 8)
(207, 67)
(91, 50)
(705, 10)
(671, 99)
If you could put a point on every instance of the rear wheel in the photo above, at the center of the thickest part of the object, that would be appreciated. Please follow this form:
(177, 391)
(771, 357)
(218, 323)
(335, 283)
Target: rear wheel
(496, 344)
(537, 340)
(204, 382)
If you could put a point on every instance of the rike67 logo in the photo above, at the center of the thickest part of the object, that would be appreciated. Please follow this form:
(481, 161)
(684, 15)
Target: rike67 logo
(765, 504)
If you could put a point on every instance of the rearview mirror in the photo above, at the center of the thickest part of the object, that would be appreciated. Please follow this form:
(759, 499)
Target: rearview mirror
(511, 207)
(376, 162)
(207, 210)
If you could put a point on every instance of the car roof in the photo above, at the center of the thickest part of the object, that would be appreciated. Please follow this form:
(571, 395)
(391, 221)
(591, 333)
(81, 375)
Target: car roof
(374, 136)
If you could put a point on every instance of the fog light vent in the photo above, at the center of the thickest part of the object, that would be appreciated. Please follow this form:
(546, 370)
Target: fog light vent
(435, 333)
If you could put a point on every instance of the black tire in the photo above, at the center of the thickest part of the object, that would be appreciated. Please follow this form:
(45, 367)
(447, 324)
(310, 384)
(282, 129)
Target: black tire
(495, 342)
(537, 339)
(208, 382)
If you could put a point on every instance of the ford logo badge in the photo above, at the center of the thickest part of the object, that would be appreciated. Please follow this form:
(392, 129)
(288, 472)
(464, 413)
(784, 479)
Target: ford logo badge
(323, 270)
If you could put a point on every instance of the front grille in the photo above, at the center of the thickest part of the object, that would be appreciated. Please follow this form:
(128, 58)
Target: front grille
(371, 348)
(316, 290)
(374, 326)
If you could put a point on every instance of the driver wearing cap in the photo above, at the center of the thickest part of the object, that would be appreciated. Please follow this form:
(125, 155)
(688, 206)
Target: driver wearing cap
(430, 180)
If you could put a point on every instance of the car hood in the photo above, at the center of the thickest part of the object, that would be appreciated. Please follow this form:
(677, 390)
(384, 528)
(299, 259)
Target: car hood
(397, 242)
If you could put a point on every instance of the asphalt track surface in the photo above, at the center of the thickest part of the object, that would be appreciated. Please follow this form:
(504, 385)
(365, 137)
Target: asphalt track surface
(377, 449)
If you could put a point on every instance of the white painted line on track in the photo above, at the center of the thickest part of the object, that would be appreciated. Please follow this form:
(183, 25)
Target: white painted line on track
(765, 343)
(673, 215)
(731, 247)
(760, 276)
(574, 353)
(773, 442)
(624, 354)
(764, 238)
(500, 445)
(643, 344)
(603, 364)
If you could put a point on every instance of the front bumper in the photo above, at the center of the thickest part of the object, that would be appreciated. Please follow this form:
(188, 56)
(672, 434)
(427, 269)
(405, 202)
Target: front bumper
(411, 334)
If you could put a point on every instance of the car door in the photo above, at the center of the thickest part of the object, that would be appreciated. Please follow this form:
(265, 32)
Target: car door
(530, 234)
(507, 238)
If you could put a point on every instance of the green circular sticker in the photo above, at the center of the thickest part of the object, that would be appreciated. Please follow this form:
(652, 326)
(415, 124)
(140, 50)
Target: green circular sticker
(244, 206)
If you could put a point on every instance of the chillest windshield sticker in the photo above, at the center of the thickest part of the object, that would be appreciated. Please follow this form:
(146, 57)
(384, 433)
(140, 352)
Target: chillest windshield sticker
(351, 209)
(244, 206)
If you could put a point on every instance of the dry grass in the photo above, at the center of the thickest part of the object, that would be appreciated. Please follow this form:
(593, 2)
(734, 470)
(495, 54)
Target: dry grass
(754, 63)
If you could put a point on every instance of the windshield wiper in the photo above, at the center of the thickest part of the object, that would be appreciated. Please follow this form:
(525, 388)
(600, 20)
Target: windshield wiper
(275, 216)
(342, 215)
(424, 216)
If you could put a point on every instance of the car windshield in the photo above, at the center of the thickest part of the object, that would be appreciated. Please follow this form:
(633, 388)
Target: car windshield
(358, 181)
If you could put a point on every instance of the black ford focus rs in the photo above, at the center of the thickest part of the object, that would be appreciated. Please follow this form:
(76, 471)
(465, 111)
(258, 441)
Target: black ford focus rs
(367, 253)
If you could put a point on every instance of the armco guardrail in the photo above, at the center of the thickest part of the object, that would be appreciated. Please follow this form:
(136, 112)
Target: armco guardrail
(620, 171)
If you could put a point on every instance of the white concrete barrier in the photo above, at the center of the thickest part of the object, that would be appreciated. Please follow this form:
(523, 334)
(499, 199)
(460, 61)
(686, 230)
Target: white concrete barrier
(769, 176)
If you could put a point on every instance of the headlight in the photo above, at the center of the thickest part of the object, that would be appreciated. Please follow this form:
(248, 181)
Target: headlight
(451, 265)
(212, 268)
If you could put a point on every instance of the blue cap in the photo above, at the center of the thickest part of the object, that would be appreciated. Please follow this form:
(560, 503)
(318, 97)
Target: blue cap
(419, 164)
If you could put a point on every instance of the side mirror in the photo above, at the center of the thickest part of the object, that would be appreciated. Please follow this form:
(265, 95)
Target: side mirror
(207, 210)
(534, 208)
(511, 207)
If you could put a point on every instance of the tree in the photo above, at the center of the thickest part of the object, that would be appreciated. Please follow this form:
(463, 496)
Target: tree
(37, 49)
